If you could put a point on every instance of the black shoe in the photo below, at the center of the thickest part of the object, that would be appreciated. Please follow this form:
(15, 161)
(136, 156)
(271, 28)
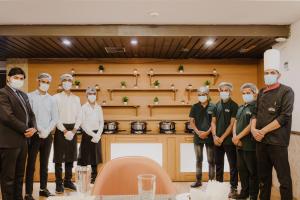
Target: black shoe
(92, 181)
(239, 196)
(28, 197)
(45, 193)
(196, 184)
(233, 192)
(69, 185)
(59, 189)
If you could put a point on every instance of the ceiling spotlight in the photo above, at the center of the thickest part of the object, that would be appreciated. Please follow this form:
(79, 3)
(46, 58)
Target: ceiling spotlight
(153, 14)
(66, 42)
(209, 42)
(134, 42)
(280, 39)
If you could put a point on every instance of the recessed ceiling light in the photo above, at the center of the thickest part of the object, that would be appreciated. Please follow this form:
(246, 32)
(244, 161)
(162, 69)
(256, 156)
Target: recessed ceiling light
(209, 42)
(153, 14)
(280, 39)
(66, 42)
(134, 42)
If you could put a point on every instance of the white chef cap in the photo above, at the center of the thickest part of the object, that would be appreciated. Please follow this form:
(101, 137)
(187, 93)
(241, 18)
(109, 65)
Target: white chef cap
(66, 77)
(272, 59)
(91, 90)
(44, 76)
(251, 86)
(225, 84)
(203, 89)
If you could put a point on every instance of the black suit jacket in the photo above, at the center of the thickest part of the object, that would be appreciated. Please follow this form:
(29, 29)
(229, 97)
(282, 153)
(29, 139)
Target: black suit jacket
(13, 118)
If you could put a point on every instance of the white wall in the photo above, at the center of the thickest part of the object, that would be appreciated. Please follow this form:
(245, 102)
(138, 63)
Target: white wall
(290, 52)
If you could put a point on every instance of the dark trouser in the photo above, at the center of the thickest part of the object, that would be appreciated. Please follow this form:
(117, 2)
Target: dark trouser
(269, 156)
(44, 147)
(230, 151)
(12, 168)
(210, 158)
(68, 172)
(247, 167)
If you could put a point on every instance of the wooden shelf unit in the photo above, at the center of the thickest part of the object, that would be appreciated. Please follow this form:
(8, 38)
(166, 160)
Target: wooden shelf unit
(215, 76)
(110, 91)
(78, 90)
(136, 107)
(168, 106)
(108, 74)
(189, 91)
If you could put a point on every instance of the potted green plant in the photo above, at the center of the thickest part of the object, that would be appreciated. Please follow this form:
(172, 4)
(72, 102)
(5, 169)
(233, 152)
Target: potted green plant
(97, 87)
(156, 100)
(125, 100)
(181, 68)
(215, 71)
(77, 84)
(172, 86)
(123, 84)
(207, 83)
(101, 68)
(156, 84)
(72, 71)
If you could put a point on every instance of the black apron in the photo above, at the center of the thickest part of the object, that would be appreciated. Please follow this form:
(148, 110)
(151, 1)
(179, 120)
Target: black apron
(89, 152)
(64, 150)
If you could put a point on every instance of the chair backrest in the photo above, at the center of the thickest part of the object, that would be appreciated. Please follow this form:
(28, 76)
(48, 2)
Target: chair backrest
(119, 177)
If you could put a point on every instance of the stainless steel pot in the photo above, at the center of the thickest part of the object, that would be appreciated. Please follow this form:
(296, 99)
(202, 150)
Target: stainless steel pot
(111, 127)
(138, 127)
(188, 128)
(167, 127)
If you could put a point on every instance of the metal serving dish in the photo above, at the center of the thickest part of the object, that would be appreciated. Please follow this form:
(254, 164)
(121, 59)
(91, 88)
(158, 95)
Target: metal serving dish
(167, 127)
(138, 127)
(111, 127)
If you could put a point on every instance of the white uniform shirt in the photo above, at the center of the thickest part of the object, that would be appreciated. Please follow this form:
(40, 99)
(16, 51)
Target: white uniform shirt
(45, 110)
(92, 118)
(69, 110)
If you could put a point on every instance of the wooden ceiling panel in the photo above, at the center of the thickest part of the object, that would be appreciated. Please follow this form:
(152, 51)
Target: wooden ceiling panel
(172, 47)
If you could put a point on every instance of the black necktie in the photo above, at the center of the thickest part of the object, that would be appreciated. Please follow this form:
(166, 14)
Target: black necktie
(24, 106)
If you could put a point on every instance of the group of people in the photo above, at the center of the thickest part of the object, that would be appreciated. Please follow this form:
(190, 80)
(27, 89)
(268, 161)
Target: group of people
(26, 124)
(254, 136)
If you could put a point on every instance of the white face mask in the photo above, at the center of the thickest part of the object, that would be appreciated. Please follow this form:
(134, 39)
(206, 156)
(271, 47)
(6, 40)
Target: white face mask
(202, 99)
(248, 98)
(224, 95)
(16, 84)
(44, 87)
(67, 85)
(270, 79)
(92, 98)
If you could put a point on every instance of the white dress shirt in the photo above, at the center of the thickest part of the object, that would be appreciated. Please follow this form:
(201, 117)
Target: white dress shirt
(45, 111)
(92, 119)
(69, 110)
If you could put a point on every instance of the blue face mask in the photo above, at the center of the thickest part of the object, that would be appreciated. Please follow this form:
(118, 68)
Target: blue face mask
(248, 98)
(270, 79)
(224, 95)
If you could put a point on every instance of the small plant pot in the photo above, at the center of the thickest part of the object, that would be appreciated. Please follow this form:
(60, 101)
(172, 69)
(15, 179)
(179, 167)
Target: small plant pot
(97, 87)
(125, 102)
(207, 86)
(156, 102)
(100, 71)
(156, 86)
(123, 86)
(77, 86)
(181, 71)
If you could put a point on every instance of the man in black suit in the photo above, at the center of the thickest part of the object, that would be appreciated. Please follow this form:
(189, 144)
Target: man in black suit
(17, 125)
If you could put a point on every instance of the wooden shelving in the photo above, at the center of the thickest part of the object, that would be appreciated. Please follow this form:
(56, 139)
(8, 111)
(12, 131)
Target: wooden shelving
(77, 90)
(136, 107)
(152, 106)
(108, 74)
(214, 75)
(110, 91)
(189, 91)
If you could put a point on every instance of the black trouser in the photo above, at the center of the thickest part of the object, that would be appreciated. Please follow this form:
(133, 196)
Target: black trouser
(44, 147)
(269, 156)
(247, 167)
(12, 167)
(199, 159)
(230, 151)
(68, 172)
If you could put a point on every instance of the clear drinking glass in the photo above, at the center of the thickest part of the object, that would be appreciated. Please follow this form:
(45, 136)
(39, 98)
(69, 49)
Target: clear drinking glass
(146, 186)
(83, 179)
